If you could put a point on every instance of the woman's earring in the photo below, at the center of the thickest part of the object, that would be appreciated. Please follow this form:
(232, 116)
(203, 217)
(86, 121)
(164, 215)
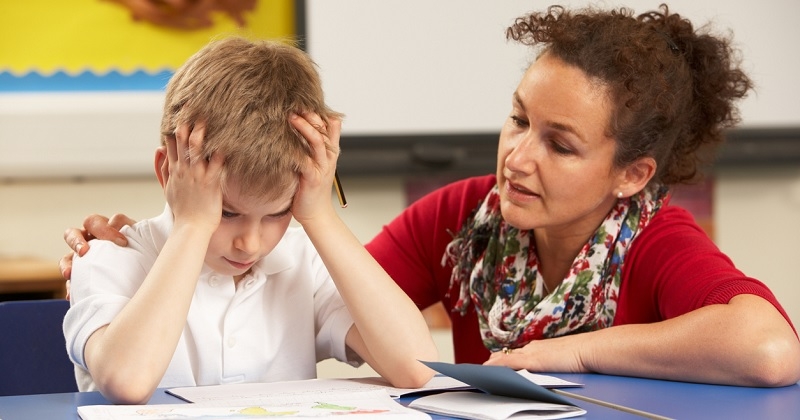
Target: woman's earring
(619, 194)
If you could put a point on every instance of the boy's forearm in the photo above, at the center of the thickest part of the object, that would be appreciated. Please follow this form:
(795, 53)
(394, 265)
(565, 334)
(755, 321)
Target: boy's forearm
(390, 324)
(130, 356)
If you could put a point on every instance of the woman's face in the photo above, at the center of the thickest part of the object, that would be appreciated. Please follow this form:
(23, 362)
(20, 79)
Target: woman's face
(555, 163)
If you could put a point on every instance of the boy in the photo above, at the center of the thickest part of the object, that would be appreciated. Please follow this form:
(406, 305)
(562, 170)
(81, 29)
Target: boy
(218, 288)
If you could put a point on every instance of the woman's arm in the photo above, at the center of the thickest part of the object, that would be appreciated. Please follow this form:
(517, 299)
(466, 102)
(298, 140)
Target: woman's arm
(745, 342)
(689, 315)
(390, 332)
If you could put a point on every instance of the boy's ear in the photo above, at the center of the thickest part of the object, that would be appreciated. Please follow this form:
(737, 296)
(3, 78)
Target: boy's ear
(161, 165)
(637, 175)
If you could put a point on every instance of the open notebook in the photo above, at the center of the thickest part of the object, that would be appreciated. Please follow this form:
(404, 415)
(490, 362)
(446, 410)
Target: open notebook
(502, 393)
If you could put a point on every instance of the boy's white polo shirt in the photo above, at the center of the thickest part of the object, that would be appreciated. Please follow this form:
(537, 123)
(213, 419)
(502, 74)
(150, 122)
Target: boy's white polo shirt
(274, 326)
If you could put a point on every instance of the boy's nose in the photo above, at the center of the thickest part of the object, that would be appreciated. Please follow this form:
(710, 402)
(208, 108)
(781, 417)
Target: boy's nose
(248, 241)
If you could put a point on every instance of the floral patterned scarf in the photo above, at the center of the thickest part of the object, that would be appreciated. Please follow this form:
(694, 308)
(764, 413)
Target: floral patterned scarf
(495, 268)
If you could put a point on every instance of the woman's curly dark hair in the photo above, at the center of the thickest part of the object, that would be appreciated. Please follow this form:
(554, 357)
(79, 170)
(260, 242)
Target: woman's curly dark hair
(674, 87)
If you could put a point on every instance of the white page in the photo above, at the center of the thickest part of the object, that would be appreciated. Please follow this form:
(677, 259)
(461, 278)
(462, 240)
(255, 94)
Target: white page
(253, 393)
(480, 406)
(365, 405)
(547, 381)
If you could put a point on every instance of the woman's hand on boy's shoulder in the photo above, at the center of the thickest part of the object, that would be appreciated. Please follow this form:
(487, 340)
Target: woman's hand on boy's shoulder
(95, 226)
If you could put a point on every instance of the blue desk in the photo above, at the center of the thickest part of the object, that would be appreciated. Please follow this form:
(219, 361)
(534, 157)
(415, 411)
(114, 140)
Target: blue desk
(683, 400)
(65, 406)
(61, 406)
(664, 398)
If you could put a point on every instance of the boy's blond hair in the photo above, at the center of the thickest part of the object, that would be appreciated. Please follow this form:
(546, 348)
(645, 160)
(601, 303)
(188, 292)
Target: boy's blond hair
(245, 92)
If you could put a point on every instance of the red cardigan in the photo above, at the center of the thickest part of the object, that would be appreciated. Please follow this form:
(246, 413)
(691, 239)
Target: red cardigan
(672, 268)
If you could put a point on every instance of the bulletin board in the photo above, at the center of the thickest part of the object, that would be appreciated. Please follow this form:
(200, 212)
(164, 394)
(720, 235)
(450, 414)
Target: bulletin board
(99, 45)
(82, 81)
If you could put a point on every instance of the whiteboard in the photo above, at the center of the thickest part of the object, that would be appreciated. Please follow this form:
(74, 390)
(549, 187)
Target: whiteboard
(444, 66)
(425, 69)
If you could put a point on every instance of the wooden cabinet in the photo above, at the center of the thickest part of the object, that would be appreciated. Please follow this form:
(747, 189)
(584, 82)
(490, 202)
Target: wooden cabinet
(30, 278)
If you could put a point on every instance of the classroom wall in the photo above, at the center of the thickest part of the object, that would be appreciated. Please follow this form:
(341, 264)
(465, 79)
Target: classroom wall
(756, 215)
(756, 211)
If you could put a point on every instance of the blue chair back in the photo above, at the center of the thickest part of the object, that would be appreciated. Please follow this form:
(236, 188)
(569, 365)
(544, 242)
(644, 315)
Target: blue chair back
(33, 356)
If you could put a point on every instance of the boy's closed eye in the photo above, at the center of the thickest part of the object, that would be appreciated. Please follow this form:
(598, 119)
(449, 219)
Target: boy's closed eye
(231, 214)
(281, 214)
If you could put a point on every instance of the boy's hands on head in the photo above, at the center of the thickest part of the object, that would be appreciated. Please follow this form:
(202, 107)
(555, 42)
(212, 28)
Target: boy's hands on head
(192, 183)
(313, 196)
(396, 355)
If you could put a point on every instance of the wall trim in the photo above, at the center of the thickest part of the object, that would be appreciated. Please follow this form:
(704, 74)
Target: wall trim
(475, 154)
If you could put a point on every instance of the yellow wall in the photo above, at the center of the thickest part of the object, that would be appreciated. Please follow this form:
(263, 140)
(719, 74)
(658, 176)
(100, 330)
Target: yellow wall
(77, 35)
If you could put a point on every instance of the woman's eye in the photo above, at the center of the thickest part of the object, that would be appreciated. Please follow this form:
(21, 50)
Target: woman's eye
(560, 149)
(518, 121)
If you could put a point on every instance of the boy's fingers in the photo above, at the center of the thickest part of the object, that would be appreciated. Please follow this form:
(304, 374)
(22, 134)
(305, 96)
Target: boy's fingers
(181, 133)
(312, 128)
(194, 144)
(335, 129)
(189, 142)
(171, 146)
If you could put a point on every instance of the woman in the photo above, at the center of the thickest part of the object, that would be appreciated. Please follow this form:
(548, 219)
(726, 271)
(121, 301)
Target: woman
(570, 258)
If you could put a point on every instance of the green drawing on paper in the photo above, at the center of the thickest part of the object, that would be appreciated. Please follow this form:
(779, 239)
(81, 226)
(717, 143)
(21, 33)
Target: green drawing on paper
(330, 406)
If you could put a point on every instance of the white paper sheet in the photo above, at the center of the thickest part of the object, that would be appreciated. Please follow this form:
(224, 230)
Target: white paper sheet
(253, 393)
(480, 406)
(366, 405)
